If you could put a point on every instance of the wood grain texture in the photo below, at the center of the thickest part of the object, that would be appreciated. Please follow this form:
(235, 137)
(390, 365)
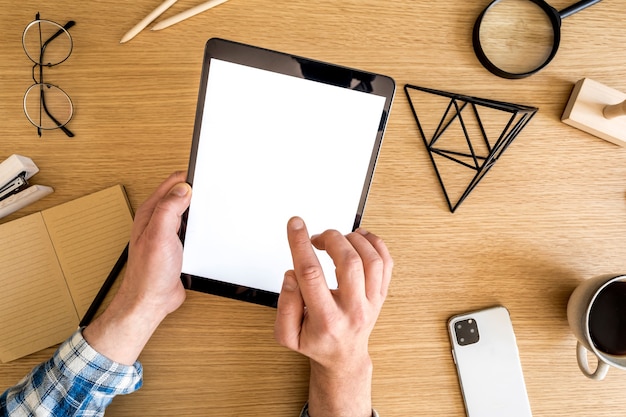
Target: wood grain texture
(551, 213)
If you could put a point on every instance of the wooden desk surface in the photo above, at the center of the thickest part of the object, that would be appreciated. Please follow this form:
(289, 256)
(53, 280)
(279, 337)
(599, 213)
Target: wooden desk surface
(551, 213)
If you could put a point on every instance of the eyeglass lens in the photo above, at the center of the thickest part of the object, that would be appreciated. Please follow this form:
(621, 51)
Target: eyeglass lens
(47, 106)
(47, 43)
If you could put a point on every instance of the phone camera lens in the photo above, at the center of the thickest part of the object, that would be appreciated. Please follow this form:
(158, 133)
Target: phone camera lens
(466, 332)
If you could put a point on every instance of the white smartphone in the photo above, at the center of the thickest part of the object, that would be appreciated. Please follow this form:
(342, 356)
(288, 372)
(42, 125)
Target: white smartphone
(485, 352)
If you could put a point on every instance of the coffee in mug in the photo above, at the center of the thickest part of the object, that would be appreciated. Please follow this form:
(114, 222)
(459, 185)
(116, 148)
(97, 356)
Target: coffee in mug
(596, 312)
(607, 319)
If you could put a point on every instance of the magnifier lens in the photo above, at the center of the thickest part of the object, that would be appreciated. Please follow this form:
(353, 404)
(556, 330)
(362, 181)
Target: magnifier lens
(517, 36)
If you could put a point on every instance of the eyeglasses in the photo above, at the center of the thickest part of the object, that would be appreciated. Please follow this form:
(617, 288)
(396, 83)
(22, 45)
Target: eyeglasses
(47, 44)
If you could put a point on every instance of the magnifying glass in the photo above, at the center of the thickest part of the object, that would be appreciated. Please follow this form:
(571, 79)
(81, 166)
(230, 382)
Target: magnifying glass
(516, 38)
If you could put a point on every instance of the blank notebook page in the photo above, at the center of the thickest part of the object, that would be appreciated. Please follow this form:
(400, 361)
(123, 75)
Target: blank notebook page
(89, 234)
(36, 310)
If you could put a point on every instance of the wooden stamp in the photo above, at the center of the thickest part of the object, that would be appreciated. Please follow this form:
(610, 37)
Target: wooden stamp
(597, 109)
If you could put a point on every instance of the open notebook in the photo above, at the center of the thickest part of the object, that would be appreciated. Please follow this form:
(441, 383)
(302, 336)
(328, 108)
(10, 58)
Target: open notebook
(53, 263)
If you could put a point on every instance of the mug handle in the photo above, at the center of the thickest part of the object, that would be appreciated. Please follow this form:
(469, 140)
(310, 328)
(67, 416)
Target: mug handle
(583, 364)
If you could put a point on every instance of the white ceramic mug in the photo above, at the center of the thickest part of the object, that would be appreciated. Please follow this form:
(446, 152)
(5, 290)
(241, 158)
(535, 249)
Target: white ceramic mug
(578, 311)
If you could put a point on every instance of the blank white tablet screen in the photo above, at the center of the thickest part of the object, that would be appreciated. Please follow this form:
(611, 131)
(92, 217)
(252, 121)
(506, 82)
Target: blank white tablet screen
(273, 146)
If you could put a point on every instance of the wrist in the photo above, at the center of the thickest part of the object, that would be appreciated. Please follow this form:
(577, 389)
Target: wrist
(357, 366)
(123, 329)
(344, 390)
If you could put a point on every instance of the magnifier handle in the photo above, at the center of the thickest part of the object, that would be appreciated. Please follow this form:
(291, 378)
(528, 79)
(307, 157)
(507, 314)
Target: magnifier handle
(576, 7)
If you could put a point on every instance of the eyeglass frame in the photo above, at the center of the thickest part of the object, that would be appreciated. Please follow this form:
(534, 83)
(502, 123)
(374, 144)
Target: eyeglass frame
(40, 64)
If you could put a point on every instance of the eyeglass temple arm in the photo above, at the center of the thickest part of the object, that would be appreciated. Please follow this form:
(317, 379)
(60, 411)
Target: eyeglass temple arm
(59, 125)
(53, 37)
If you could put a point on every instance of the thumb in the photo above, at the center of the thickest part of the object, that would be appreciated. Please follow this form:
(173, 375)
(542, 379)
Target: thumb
(182, 189)
(169, 209)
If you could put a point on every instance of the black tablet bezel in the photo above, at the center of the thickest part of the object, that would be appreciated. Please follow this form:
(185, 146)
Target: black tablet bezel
(281, 63)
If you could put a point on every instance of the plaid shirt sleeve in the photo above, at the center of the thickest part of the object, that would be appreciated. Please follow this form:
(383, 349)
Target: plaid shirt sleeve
(76, 381)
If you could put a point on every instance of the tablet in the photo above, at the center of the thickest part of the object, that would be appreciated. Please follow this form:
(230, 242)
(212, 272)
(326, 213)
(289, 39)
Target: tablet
(275, 136)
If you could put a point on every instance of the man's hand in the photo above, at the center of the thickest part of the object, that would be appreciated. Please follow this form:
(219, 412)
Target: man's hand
(151, 288)
(332, 327)
(156, 253)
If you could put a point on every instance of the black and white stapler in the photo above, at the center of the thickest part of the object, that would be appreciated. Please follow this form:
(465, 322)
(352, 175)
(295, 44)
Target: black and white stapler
(15, 192)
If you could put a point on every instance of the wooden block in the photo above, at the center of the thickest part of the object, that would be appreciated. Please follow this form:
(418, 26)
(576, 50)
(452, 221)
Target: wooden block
(585, 111)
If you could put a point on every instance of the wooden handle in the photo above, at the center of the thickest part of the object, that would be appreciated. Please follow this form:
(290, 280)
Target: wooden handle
(615, 110)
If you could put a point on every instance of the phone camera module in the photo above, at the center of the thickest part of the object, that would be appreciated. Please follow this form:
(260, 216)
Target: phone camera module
(466, 332)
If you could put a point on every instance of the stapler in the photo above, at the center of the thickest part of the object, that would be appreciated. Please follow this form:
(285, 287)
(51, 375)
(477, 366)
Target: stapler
(15, 192)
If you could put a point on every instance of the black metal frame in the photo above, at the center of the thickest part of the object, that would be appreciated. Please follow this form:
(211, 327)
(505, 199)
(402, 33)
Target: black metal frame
(40, 82)
(520, 116)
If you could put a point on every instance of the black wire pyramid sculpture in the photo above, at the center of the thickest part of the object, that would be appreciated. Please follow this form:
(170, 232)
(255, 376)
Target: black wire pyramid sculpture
(464, 135)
